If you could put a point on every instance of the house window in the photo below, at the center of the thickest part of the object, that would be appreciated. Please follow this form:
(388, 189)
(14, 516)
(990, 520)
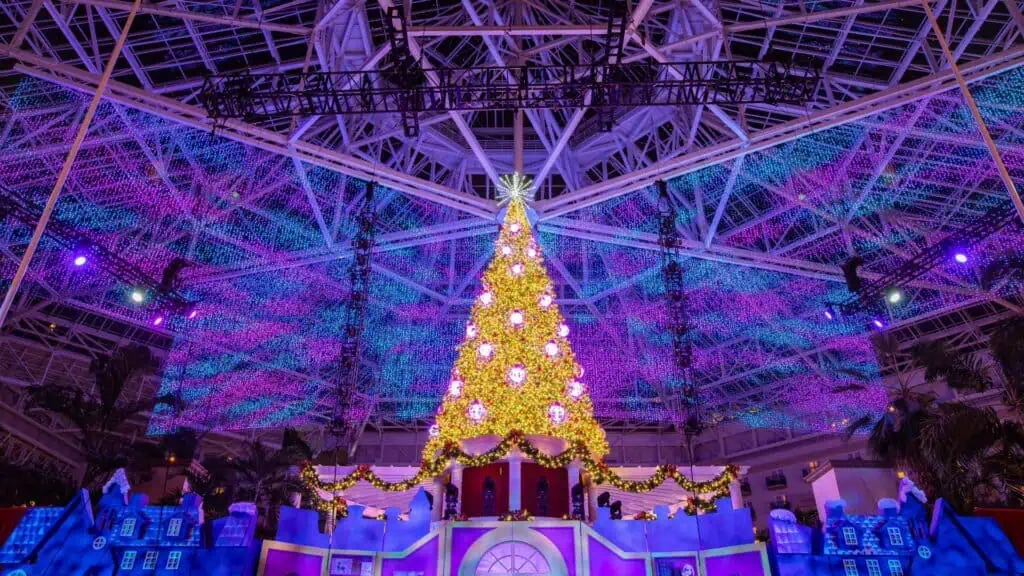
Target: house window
(895, 568)
(150, 562)
(128, 527)
(873, 568)
(128, 560)
(173, 560)
(174, 527)
(849, 536)
(895, 536)
(850, 567)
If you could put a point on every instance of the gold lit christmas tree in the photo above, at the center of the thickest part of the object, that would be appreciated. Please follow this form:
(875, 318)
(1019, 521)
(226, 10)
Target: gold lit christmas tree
(515, 370)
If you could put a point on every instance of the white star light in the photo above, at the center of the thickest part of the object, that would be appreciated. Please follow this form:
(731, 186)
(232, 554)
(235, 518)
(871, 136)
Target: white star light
(515, 186)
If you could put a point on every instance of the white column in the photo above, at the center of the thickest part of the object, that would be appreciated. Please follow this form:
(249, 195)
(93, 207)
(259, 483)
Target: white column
(574, 478)
(437, 491)
(591, 501)
(736, 494)
(515, 480)
(457, 481)
(295, 499)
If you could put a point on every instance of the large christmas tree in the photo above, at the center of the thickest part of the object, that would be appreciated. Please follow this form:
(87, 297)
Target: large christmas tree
(516, 371)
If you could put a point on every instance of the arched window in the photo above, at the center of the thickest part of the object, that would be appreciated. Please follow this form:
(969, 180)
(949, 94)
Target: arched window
(513, 558)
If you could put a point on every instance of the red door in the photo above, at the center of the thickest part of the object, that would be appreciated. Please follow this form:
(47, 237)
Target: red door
(473, 483)
(557, 486)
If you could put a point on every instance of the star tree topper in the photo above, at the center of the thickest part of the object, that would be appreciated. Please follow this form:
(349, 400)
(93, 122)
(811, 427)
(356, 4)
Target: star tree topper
(515, 186)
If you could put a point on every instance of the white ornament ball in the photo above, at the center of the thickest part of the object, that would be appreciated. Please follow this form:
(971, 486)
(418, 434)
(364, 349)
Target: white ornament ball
(546, 300)
(556, 413)
(551, 349)
(517, 375)
(485, 350)
(531, 252)
(434, 431)
(506, 250)
(486, 298)
(515, 227)
(518, 268)
(455, 388)
(476, 412)
(516, 318)
(563, 330)
(471, 330)
(576, 389)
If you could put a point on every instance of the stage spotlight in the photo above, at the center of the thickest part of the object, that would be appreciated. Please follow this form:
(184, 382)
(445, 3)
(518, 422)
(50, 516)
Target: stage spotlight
(853, 282)
(878, 323)
(960, 258)
(169, 280)
(831, 313)
(138, 296)
(80, 260)
(894, 296)
(158, 320)
(192, 312)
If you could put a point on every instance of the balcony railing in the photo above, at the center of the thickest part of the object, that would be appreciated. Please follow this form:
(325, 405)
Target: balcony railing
(780, 504)
(775, 481)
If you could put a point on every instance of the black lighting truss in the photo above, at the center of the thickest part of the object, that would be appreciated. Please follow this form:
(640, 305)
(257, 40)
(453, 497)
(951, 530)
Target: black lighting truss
(255, 97)
(870, 297)
(685, 404)
(167, 298)
(347, 373)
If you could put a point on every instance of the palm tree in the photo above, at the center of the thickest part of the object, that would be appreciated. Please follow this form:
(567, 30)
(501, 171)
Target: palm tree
(1007, 346)
(264, 475)
(101, 416)
(966, 455)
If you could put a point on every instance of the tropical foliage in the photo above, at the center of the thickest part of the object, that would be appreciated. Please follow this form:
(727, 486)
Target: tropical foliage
(102, 417)
(968, 455)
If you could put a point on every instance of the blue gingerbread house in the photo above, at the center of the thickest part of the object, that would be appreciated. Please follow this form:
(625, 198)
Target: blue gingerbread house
(903, 538)
(127, 536)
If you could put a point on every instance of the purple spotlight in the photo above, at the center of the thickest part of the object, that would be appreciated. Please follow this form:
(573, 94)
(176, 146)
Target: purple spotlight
(878, 323)
(158, 320)
(80, 260)
(193, 313)
(960, 257)
(828, 314)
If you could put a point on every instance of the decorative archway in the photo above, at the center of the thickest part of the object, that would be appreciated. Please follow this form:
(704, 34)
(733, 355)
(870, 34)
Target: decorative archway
(513, 551)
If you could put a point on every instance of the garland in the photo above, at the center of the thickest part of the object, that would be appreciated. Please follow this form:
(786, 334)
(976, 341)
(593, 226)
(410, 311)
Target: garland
(717, 487)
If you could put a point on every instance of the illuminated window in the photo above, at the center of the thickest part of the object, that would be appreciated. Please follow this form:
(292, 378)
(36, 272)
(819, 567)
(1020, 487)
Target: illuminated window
(128, 560)
(849, 536)
(873, 568)
(174, 527)
(150, 562)
(128, 527)
(173, 560)
(517, 558)
(850, 567)
(895, 568)
(895, 536)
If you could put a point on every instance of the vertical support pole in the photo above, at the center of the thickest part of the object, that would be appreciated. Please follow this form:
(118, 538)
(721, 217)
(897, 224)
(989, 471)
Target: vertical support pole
(517, 137)
(62, 178)
(1003, 172)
